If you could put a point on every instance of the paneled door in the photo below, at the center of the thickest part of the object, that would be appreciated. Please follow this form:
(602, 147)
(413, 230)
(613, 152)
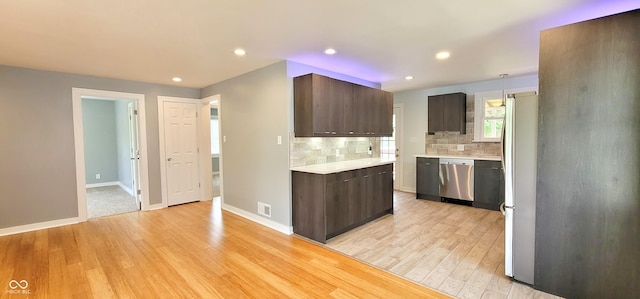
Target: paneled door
(181, 151)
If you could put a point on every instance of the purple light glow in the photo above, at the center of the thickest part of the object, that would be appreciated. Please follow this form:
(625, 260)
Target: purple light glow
(589, 11)
(337, 67)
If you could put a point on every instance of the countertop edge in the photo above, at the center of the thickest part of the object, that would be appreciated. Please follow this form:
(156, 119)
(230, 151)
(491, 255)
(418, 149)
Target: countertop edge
(335, 167)
(486, 158)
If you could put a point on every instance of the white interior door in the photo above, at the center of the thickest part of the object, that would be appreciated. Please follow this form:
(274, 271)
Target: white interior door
(181, 152)
(134, 151)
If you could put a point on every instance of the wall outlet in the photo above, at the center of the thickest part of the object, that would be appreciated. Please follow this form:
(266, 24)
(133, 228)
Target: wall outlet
(97, 176)
(460, 147)
(279, 139)
(264, 209)
(337, 152)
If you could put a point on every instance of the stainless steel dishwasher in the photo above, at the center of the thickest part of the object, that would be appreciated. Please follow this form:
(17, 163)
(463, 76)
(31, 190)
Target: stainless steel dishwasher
(456, 178)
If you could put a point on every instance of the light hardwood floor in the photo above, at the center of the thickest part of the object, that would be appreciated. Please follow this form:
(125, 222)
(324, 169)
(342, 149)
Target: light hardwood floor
(455, 249)
(188, 251)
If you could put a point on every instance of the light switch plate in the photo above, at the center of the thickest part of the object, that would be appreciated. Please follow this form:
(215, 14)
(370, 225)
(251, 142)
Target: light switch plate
(460, 147)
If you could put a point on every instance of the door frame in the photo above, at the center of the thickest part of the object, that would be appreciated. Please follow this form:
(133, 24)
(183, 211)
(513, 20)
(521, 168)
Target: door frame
(204, 148)
(135, 150)
(78, 132)
(217, 101)
(399, 183)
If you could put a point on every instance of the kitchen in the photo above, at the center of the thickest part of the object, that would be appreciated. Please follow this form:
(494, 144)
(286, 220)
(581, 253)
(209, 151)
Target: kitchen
(355, 148)
(544, 233)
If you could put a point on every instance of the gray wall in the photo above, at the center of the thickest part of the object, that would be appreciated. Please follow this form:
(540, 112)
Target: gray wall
(100, 141)
(123, 143)
(38, 177)
(254, 110)
(414, 121)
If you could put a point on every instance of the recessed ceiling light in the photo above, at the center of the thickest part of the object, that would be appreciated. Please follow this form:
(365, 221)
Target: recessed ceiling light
(239, 52)
(443, 55)
(330, 51)
(408, 78)
(176, 79)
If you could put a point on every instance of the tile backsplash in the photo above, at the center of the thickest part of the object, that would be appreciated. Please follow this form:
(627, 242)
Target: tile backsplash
(446, 143)
(318, 150)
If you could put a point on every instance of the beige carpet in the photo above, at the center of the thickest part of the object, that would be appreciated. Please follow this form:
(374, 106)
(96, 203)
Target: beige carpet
(111, 200)
(216, 184)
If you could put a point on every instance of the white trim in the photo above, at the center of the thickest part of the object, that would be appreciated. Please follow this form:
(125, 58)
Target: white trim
(76, 101)
(157, 206)
(287, 230)
(399, 139)
(478, 114)
(105, 184)
(37, 226)
(125, 188)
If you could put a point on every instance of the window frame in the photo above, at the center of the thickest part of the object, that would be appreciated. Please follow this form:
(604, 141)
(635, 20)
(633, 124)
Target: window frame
(478, 113)
(479, 116)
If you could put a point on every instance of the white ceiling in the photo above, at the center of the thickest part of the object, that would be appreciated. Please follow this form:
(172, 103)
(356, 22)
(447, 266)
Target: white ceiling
(377, 40)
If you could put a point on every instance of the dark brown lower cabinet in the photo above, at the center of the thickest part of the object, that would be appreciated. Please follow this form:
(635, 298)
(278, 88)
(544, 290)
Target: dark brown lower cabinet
(488, 190)
(428, 178)
(326, 205)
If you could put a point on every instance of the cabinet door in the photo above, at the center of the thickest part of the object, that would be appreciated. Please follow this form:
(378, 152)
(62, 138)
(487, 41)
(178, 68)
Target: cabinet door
(385, 176)
(381, 189)
(488, 185)
(435, 110)
(368, 195)
(363, 110)
(382, 122)
(427, 178)
(454, 109)
(336, 210)
(329, 98)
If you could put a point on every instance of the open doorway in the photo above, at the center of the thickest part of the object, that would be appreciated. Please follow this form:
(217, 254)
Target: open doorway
(110, 147)
(215, 147)
(111, 172)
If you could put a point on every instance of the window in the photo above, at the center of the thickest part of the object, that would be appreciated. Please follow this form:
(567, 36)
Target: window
(489, 116)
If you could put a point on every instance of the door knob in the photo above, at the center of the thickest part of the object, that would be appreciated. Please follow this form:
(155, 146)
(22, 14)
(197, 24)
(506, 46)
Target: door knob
(169, 159)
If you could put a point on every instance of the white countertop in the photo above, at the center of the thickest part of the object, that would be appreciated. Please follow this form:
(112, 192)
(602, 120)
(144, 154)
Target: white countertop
(486, 158)
(334, 167)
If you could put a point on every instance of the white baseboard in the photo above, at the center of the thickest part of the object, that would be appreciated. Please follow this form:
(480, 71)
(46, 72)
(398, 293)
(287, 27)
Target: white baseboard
(287, 230)
(37, 226)
(157, 206)
(105, 184)
(125, 188)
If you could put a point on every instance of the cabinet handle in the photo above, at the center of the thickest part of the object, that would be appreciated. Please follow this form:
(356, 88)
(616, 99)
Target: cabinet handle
(345, 181)
(333, 133)
(495, 168)
(427, 163)
(366, 176)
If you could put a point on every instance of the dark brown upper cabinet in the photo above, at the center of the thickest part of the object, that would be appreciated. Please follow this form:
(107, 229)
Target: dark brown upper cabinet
(326, 107)
(447, 112)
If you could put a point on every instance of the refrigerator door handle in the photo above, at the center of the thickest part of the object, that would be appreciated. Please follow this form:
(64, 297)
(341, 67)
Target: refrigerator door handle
(502, 154)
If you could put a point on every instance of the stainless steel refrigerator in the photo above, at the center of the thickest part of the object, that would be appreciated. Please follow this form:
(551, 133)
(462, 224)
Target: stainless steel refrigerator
(519, 139)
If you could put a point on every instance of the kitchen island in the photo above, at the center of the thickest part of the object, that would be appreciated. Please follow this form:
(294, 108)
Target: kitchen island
(332, 198)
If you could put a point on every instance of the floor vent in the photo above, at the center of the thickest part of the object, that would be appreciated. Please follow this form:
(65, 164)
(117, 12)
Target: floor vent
(264, 209)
